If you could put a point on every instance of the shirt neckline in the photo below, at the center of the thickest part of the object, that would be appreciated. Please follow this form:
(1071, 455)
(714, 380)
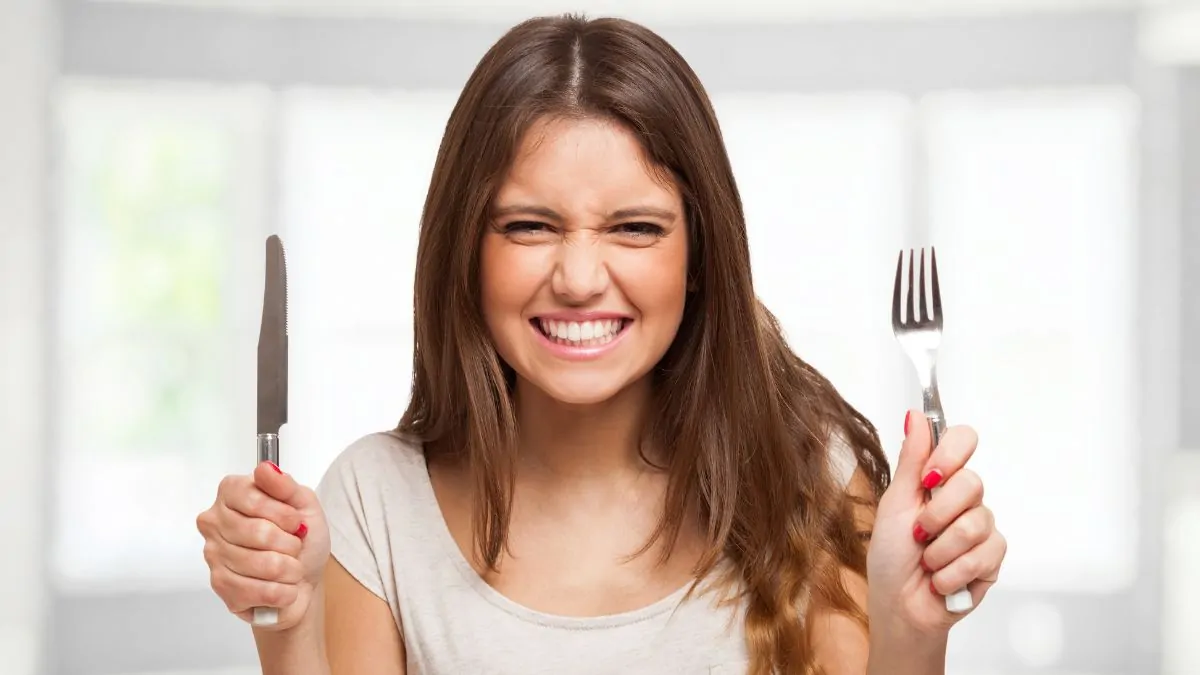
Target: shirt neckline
(427, 500)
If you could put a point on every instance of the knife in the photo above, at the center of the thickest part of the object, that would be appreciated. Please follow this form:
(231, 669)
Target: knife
(272, 374)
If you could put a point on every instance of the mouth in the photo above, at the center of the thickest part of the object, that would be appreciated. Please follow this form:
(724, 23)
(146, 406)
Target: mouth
(596, 333)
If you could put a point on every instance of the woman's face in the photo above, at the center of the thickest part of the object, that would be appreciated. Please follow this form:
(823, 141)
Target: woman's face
(584, 262)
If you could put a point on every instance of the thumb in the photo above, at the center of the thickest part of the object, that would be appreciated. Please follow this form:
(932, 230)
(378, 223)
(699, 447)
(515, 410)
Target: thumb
(272, 480)
(914, 453)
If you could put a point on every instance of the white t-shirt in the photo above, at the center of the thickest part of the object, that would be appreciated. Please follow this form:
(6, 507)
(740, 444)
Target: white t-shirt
(387, 530)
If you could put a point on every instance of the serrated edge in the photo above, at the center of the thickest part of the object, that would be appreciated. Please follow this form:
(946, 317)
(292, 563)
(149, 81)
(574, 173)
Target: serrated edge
(283, 259)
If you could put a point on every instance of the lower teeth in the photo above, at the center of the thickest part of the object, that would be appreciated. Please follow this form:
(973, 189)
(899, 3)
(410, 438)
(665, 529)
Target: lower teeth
(594, 342)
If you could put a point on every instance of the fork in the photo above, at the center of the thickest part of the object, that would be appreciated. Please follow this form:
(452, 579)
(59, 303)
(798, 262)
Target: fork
(919, 337)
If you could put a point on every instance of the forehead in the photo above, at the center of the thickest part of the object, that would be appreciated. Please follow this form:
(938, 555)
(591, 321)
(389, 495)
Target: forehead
(585, 165)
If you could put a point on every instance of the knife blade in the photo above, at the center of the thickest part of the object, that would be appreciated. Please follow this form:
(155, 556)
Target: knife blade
(273, 344)
(272, 373)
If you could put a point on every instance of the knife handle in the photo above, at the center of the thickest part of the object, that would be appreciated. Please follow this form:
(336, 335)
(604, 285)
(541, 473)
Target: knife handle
(268, 448)
(268, 451)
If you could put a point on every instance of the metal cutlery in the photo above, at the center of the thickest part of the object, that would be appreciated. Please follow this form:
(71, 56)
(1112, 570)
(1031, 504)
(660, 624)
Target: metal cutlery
(272, 374)
(919, 336)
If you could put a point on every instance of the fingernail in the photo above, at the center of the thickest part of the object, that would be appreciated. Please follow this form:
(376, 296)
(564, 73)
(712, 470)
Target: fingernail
(273, 466)
(907, 420)
(931, 479)
(919, 533)
(933, 588)
(302, 530)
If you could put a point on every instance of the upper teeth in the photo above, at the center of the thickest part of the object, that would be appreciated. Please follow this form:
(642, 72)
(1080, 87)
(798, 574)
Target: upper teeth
(580, 331)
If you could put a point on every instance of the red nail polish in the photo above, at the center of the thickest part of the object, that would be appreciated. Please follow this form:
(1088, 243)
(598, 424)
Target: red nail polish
(933, 588)
(273, 466)
(931, 479)
(302, 530)
(907, 420)
(919, 533)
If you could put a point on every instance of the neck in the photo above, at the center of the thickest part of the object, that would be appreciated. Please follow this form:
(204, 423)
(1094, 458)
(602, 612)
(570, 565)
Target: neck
(568, 442)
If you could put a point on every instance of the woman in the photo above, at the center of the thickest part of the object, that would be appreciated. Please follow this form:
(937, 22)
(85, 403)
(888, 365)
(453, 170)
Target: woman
(611, 462)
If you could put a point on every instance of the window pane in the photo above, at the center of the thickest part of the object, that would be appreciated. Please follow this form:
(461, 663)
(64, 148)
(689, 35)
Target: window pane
(823, 182)
(1032, 205)
(355, 171)
(156, 321)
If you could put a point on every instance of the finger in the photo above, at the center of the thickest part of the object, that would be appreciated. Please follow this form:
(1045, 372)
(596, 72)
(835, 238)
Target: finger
(954, 449)
(255, 564)
(966, 532)
(273, 481)
(242, 593)
(914, 453)
(961, 493)
(978, 590)
(976, 569)
(206, 522)
(245, 497)
(256, 533)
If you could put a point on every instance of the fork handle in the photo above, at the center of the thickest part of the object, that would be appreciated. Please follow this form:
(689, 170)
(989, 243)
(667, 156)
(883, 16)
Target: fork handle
(959, 601)
(937, 425)
(267, 451)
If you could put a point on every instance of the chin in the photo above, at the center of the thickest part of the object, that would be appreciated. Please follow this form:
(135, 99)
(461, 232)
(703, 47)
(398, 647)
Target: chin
(580, 389)
(579, 394)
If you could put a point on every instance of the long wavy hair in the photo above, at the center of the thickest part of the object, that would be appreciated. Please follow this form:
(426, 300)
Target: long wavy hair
(744, 424)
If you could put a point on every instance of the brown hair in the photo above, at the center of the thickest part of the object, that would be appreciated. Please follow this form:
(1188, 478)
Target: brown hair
(743, 422)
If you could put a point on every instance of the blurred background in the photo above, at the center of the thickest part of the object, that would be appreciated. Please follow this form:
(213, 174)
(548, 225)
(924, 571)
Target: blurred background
(1050, 149)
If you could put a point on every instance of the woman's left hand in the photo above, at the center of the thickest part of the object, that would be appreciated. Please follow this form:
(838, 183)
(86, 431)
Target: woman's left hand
(924, 548)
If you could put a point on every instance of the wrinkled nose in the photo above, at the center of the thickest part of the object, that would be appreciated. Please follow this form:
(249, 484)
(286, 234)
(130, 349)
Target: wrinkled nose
(580, 274)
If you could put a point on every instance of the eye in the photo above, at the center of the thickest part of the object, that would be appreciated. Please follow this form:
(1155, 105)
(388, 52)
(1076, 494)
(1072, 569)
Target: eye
(522, 227)
(648, 230)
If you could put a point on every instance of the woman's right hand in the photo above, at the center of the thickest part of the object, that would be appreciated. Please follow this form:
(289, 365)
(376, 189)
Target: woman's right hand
(266, 544)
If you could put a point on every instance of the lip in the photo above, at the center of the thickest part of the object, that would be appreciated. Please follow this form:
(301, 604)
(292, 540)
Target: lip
(579, 316)
(580, 353)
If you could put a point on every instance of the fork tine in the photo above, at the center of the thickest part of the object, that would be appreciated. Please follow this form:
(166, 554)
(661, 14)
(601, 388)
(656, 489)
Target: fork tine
(896, 323)
(909, 299)
(937, 293)
(921, 286)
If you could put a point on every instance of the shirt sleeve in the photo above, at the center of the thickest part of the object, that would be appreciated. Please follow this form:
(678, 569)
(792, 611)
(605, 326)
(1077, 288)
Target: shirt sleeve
(341, 493)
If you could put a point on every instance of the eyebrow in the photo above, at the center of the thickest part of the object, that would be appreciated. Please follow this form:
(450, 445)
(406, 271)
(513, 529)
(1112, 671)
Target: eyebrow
(619, 214)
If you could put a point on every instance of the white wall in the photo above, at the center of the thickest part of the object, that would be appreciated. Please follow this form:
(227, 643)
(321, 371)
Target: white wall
(692, 11)
(27, 40)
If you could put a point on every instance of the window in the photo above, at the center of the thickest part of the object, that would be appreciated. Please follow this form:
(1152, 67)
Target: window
(168, 191)
(1032, 206)
(354, 174)
(823, 183)
(158, 289)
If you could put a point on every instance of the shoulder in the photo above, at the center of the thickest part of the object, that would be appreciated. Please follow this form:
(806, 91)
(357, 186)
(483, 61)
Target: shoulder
(373, 478)
(377, 449)
(385, 458)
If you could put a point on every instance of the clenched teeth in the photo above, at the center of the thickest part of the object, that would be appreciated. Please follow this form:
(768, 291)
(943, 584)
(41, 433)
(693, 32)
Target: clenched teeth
(581, 333)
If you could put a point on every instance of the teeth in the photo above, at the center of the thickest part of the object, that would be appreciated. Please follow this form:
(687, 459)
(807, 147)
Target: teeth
(581, 333)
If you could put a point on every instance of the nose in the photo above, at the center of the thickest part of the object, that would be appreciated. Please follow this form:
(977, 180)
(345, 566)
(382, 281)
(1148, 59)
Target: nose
(581, 273)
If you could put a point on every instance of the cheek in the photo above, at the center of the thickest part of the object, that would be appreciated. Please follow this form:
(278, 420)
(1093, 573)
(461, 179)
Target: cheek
(509, 278)
(655, 281)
